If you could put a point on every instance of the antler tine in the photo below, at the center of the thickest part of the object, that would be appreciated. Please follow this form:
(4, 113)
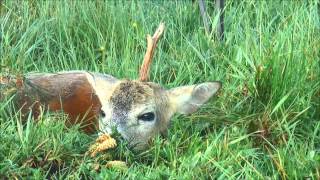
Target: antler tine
(151, 45)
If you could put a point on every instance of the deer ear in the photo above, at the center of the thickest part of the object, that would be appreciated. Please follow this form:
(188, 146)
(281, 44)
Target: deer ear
(187, 99)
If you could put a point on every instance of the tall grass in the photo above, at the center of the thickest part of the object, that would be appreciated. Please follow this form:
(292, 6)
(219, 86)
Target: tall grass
(264, 123)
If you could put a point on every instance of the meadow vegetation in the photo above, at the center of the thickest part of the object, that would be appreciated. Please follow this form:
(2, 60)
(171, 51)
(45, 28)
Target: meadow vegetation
(265, 122)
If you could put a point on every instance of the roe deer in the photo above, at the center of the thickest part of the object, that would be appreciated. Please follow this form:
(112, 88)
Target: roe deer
(138, 110)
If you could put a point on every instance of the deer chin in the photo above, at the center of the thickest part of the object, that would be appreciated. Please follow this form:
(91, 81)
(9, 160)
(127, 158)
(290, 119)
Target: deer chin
(134, 142)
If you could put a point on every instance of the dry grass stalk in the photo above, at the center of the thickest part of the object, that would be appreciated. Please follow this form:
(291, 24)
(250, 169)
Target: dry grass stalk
(9, 85)
(151, 45)
(102, 143)
(117, 165)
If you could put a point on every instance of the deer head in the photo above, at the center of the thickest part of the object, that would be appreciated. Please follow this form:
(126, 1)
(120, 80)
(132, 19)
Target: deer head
(139, 110)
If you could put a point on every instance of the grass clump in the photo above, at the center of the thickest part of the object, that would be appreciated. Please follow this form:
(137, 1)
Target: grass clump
(265, 122)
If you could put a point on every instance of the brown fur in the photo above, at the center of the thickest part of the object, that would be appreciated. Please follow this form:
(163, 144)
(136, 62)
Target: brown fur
(70, 93)
(128, 93)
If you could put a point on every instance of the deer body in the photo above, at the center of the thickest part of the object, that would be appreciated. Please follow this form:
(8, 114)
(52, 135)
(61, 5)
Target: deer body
(71, 92)
(137, 110)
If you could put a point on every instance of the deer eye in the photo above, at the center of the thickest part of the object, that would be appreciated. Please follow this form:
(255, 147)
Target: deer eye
(102, 114)
(147, 116)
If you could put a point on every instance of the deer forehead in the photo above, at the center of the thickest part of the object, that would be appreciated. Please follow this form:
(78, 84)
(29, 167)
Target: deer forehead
(129, 94)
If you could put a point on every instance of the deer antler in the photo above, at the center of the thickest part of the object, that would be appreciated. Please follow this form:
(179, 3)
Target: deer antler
(151, 45)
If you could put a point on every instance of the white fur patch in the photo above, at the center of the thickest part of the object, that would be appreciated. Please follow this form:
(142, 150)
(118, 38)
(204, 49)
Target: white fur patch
(102, 87)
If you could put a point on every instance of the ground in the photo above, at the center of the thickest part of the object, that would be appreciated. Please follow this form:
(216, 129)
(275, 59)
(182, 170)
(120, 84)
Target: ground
(264, 123)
